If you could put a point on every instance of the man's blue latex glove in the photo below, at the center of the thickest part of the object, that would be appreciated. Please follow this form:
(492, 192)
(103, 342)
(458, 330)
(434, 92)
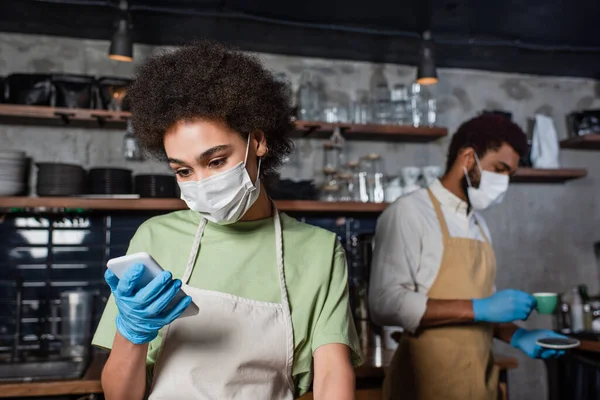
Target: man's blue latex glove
(524, 340)
(143, 310)
(504, 306)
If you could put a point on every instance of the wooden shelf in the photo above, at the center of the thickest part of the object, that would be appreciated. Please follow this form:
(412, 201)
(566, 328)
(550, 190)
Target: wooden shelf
(586, 142)
(76, 203)
(536, 175)
(40, 115)
(54, 116)
(50, 388)
(372, 132)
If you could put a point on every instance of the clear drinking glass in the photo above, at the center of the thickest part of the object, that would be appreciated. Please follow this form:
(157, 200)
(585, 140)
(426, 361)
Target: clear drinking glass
(431, 112)
(400, 105)
(382, 105)
(334, 112)
(416, 106)
(361, 108)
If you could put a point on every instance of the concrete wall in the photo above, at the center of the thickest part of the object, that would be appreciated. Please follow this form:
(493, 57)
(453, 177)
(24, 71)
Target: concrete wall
(542, 234)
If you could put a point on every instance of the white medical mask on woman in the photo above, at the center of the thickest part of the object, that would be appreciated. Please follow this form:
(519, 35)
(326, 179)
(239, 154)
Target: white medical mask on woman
(225, 197)
(492, 188)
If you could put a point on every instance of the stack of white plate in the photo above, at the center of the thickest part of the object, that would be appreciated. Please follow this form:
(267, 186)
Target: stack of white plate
(13, 170)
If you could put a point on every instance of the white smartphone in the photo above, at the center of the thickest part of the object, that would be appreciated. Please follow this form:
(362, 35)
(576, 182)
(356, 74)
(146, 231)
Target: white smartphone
(152, 269)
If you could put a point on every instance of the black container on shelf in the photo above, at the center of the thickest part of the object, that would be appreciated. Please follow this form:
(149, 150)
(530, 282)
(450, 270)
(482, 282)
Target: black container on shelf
(581, 123)
(112, 93)
(110, 181)
(28, 89)
(156, 186)
(57, 179)
(287, 189)
(2, 90)
(74, 91)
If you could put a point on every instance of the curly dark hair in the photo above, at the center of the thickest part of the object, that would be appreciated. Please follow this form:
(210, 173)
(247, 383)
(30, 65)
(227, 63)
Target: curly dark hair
(487, 132)
(207, 80)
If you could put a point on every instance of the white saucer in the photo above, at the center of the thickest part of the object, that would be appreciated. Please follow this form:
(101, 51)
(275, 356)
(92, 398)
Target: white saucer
(558, 343)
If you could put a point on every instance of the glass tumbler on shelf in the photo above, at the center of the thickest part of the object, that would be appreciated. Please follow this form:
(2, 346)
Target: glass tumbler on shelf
(431, 112)
(336, 108)
(334, 113)
(416, 105)
(382, 105)
(400, 105)
(361, 108)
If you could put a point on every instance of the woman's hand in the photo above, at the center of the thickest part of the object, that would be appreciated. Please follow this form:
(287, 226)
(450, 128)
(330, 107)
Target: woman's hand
(143, 310)
(334, 375)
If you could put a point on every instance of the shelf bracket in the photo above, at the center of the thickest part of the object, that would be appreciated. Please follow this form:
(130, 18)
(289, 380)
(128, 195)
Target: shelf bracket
(65, 116)
(101, 119)
(310, 129)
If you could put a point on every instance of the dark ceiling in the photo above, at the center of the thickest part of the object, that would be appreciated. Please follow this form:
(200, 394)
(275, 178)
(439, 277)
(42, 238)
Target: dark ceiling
(548, 37)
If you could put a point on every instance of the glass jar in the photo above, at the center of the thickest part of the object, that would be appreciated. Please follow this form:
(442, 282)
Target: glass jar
(330, 190)
(346, 187)
(353, 183)
(310, 97)
(131, 148)
(331, 157)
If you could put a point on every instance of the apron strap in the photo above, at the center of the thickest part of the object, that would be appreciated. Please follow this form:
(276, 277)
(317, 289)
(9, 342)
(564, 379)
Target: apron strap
(440, 216)
(194, 252)
(284, 297)
(485, 238)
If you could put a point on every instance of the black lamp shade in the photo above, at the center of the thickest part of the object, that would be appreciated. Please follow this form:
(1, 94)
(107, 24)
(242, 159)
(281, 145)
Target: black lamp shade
(426, 71)
(121, 45)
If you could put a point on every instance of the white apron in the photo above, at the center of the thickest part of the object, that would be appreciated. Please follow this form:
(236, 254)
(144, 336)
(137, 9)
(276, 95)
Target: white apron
(234, 348)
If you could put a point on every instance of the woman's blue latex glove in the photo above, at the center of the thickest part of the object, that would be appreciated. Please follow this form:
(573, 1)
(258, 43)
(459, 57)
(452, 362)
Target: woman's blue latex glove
(504, 306)
(524, 340)
(144, 310)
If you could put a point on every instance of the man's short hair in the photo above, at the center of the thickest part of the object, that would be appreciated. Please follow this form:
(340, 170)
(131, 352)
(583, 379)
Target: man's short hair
(487, 132)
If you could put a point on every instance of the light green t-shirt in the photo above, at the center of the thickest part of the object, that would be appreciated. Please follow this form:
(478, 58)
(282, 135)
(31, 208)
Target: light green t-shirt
(240, 259)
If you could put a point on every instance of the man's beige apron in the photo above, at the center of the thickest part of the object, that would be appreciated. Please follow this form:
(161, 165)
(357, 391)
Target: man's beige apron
(234, 348)
(451, 362)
